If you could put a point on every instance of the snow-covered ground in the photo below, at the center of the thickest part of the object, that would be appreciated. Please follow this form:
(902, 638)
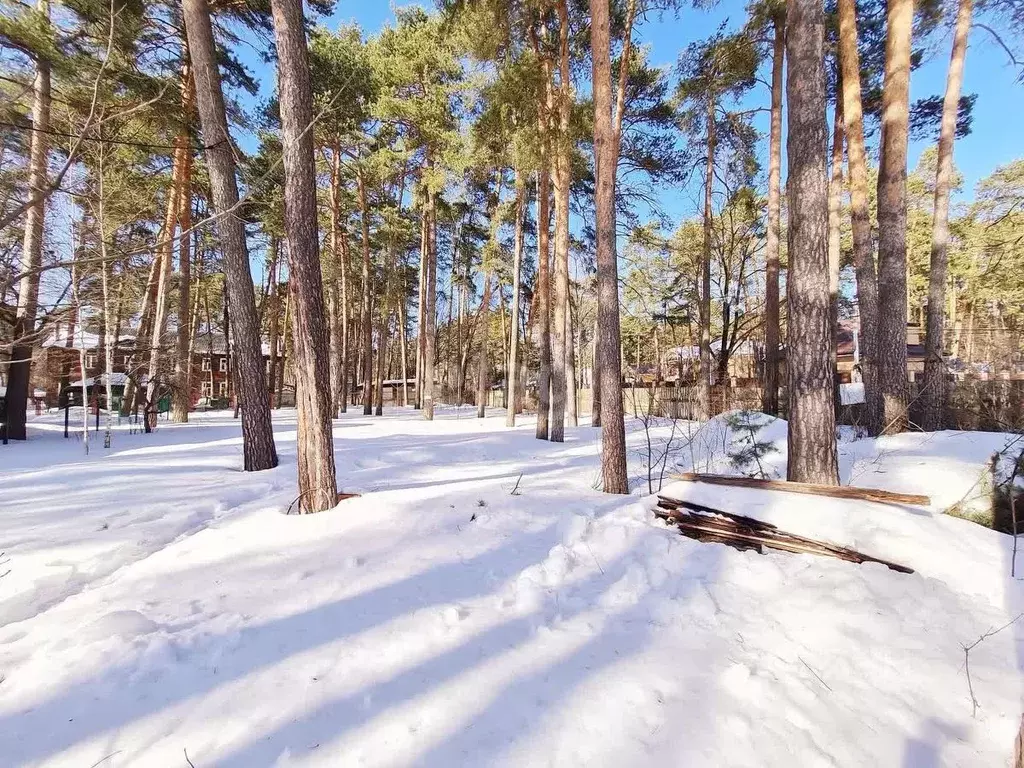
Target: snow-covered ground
(482, 604)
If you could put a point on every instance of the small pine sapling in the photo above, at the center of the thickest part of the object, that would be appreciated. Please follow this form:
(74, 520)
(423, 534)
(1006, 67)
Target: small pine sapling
(746, 449)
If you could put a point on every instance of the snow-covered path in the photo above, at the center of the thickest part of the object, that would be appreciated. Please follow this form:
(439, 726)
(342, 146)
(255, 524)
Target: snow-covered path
(159, 602)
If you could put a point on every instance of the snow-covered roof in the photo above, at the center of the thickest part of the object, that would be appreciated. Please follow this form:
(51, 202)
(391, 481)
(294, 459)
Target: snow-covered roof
(116, 380)
(203, 343)
(693, 352)
(35, 392)
(80, 339)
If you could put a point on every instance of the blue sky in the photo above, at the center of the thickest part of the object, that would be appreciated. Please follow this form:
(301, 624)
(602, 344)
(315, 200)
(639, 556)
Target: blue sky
(998, 112)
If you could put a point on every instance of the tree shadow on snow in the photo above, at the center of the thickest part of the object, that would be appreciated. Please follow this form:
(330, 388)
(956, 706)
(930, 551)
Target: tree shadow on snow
(109, 701)
(515, 711)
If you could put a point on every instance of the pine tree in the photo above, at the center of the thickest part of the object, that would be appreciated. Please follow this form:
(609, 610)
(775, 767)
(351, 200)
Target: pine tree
(812, 444)
(258, 446)
(18, 377)
(892, 217)
(863, 247)
(318, 489)
(933, 393)
(607, 137)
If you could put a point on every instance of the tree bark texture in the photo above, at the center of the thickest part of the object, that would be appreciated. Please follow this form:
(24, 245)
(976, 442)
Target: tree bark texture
(421, 312)
(608, 375)
(482, 365)
(595, 378)
(512, 368)
(704, 384)
(318, 488)
(19, 372)
(258, 447)
(181, 397)
(772, 331)
(403, 326)
(812, 443)
(365, 322)
(835, 199)
(571, 395)
(863, 248)
(286, 342)
(164, 251)
(543, 311)
(382, 356)
(429, 309)
(933, 393)
(274, 321)
(892, 217)
(336, 280)
(562, 157)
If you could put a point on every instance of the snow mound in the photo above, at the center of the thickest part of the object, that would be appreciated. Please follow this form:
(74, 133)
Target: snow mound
(721, 444)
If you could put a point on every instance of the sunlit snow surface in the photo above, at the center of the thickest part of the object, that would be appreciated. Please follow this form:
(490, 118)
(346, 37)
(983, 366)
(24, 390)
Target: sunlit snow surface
(160, 601)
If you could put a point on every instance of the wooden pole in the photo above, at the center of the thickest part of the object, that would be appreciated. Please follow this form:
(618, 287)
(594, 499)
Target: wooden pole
(834, 491)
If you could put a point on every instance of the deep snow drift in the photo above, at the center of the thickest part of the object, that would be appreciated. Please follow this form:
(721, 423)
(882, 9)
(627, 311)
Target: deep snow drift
(159, 601)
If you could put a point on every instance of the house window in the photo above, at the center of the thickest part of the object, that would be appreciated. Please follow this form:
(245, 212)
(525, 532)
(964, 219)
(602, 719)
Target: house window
(222, 388)
(206, 364)
(90, 360)
(129, 362)
(224, 364)
(207, 389)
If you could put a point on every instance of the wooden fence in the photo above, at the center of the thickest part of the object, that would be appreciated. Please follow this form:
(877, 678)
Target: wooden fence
(989, 406)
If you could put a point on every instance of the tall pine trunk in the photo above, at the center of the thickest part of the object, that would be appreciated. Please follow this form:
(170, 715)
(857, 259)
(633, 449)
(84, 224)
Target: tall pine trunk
(482, 364)
(704, 384)
(812, 443)
(504, 342)
(24, 331)
(108, 317)
(892, 217)
(258, 447)
(595, 376)
(933, 393)
(274, 320)
(835, 199)
(421, 298)
(337, 291)
(286, 343)
(863, 248)
(571, 396)
(365, 321)
(562, 178)
(607, 377)
(772, 332)
(403, 346)
(512, 367)
(543, 311)
(429, 305)
(346, 318)
(165, 249)
(130, 398)
(559, 299)
(181, 397)
(382, 356)
(318, 488)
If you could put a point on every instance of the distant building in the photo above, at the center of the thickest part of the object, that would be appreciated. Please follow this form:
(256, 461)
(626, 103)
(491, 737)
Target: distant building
(848, 351)
(59, 365)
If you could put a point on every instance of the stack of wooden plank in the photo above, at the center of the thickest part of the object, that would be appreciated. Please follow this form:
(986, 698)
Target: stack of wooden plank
(704, 523)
